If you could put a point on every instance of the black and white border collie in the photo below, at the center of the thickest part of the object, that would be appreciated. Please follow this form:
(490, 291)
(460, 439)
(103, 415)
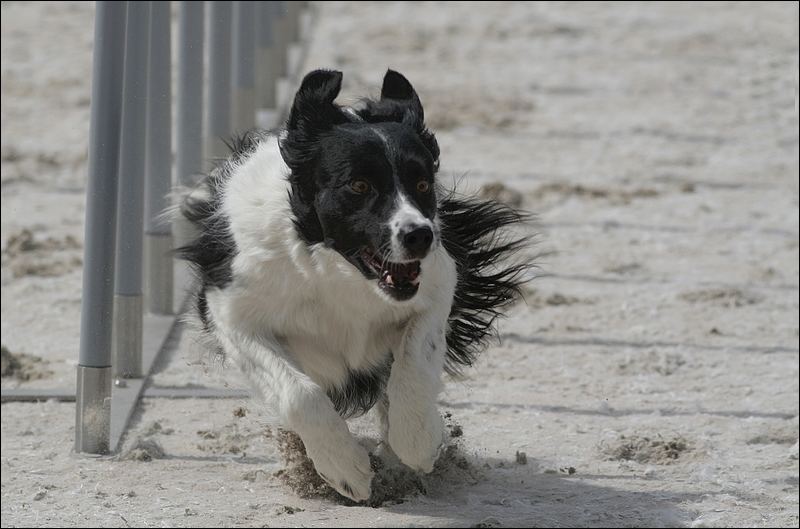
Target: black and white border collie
(339, 277)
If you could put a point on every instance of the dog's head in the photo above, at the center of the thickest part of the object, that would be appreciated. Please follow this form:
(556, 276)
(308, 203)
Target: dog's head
(363, 179)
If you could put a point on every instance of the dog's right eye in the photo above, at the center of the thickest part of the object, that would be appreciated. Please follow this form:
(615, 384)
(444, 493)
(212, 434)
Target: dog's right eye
(359, 186)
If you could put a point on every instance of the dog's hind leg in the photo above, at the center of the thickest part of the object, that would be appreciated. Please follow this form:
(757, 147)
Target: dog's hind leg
(303, 407)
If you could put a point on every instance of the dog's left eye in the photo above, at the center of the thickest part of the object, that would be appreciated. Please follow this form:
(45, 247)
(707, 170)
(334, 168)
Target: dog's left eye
(359, 186)
(423, 186)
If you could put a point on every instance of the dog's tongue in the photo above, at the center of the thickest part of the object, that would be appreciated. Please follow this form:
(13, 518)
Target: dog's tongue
(397, 274)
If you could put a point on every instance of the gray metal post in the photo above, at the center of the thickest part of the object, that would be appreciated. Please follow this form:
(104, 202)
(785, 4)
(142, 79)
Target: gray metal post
(218, 125)
(244, 65)
(265, 58)
(293, 10)
(93, 396)
(190, 112)
(190, 92)
(281, 39)
(303, 19)
(158, 233)
(130, 228)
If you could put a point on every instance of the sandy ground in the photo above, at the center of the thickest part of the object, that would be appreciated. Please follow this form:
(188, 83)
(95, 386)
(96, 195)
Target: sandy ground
(651, 377)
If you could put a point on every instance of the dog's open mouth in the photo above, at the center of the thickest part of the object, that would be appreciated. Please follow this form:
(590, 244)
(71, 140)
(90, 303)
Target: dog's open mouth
(399, 280)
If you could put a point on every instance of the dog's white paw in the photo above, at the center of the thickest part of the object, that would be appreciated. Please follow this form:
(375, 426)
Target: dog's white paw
(416, 436)
(344, 465)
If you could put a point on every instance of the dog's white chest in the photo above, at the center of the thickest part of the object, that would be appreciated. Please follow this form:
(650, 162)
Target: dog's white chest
(333, 321)
(329, 354)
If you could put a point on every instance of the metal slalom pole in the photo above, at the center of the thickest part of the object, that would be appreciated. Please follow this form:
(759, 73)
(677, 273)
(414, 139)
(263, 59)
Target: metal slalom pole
(190, 108)
(218, 125)
(265, 58)
(243, 60)
(130, 228)
(190, 92)
(93, 397)
(158, 182)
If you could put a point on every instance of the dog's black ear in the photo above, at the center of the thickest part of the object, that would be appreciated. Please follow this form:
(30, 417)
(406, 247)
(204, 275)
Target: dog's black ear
(396, 87)
(399, 102)
(313, 104)
(313, 113)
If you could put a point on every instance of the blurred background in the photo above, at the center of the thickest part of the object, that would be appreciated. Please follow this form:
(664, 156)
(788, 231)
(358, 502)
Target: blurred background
(649, 378)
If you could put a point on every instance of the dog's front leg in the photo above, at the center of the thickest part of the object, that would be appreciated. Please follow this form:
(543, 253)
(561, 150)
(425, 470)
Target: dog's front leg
(303, 407)
(415, 428)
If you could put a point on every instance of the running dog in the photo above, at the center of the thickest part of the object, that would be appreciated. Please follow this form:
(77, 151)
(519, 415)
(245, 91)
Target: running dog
(340, 277)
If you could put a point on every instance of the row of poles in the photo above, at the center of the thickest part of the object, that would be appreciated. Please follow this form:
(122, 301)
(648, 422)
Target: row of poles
(230, 58)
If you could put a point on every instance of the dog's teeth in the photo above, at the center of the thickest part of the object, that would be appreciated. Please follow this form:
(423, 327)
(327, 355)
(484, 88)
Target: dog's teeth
(389, 280)
(415, 281)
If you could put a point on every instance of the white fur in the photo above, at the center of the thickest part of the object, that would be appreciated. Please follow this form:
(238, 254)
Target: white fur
(405, 219)
(295, 319)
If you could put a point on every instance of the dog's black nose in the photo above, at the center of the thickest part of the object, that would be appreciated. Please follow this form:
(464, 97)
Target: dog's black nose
(418, 240)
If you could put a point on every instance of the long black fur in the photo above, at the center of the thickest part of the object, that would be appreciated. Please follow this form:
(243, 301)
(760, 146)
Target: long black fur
(474, 233)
